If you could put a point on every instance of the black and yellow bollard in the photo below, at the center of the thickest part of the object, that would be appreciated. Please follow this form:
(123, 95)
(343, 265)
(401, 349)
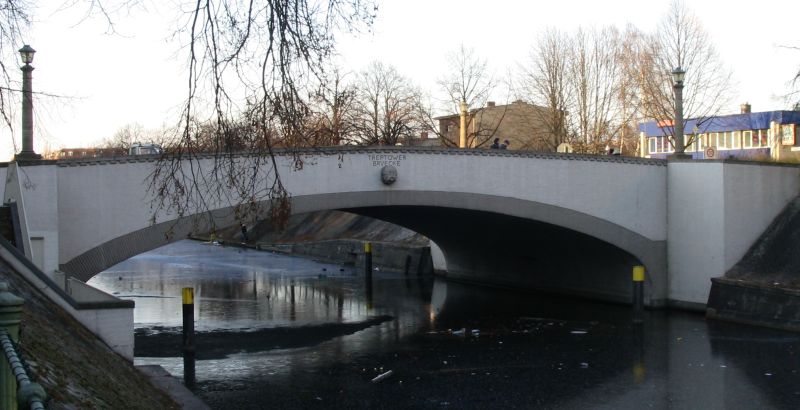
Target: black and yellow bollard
(638, 293)
(368, 272)
(188, 338)
(368, 259)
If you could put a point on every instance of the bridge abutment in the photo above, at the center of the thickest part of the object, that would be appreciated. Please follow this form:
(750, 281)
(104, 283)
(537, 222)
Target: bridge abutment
(34, 191)
(716, 212)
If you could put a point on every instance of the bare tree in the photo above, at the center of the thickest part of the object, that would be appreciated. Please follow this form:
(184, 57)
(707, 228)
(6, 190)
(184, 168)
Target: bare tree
(629, 92)
(249, 64)
(681, 41)
(469, 79)
(597, 81)
(544, 82)
(334, 109)
(793, 96)
(125, 137)
(388, 106)
(265, 53)
(429, 120)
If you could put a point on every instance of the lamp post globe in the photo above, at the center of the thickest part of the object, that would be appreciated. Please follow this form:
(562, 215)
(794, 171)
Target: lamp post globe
(678, 75)
(27, 52)
(27, 153)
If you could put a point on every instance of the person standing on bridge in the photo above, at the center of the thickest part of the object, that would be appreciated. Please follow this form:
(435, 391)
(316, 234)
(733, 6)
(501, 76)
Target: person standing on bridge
(505, 144)
(244, 233)
(495, 144)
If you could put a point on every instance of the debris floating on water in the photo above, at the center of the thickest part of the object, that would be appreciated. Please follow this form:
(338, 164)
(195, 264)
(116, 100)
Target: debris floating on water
(382, 376)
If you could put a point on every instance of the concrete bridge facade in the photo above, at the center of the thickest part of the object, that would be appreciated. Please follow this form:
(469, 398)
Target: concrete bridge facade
(562, 222)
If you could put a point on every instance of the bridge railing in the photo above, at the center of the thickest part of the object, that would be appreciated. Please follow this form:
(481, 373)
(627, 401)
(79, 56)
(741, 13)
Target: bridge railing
(354, 149)
(16, 389)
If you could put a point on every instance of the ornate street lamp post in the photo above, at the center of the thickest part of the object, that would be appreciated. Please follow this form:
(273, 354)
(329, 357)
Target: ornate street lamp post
(27, 52)
(677, 124)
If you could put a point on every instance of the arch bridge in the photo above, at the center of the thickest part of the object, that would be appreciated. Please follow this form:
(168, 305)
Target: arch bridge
(562, 222)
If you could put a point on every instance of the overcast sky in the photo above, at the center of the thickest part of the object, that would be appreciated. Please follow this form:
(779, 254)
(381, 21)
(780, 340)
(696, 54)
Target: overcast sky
(136, 75)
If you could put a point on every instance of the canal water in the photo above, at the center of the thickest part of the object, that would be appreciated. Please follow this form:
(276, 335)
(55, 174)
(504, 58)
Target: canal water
(282, 332)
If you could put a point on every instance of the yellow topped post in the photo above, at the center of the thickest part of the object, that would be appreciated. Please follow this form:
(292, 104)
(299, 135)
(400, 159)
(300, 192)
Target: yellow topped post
(188, 296)
(638, 273)
(188, 343)
(638, 293)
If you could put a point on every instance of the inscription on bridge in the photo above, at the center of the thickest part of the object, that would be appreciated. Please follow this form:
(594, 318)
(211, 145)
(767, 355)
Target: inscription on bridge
(382, 160)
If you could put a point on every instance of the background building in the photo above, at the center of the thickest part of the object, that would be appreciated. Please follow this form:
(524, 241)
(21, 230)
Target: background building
(66, 153)
(747, 135)
(520, 123)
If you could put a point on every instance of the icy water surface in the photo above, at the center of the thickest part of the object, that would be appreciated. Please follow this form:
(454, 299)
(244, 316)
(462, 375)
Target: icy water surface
(282, 332)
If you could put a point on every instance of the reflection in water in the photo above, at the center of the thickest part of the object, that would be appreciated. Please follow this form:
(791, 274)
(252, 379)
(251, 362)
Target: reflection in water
(247, 290)
(239, 289)
(286, 322)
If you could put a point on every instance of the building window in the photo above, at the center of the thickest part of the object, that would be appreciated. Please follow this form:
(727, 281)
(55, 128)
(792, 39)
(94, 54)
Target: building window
(651, 143)
(713, 140)
(749, 140)
(727, 140)
(764, 138)
(787, 134)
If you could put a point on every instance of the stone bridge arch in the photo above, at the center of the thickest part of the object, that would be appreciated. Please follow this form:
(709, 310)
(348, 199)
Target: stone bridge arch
(86, 214)
(487, 239)
(488, 210)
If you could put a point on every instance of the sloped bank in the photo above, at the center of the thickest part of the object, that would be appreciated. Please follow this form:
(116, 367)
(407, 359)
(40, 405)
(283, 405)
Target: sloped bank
(339, 237)
(76, 369)
(764, 287)
(385, 255)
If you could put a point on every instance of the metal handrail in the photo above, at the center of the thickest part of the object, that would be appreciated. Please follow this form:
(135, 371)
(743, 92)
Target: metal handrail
(28, 393)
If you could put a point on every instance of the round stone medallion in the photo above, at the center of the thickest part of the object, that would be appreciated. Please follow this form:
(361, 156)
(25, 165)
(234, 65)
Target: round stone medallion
(388, 174)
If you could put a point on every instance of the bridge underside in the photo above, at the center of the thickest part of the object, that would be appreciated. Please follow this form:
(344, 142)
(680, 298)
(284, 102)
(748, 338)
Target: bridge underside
(503, 250)
(493, 240)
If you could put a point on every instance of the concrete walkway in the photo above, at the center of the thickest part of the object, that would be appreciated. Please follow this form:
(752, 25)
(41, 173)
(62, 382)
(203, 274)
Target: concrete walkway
(172, 386)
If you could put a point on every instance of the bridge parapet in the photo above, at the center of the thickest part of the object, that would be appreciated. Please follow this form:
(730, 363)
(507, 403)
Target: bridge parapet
(378, 149)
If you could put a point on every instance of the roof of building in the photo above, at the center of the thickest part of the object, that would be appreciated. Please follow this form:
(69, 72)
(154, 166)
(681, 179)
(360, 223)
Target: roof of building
(490, 106)
(722, 123)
